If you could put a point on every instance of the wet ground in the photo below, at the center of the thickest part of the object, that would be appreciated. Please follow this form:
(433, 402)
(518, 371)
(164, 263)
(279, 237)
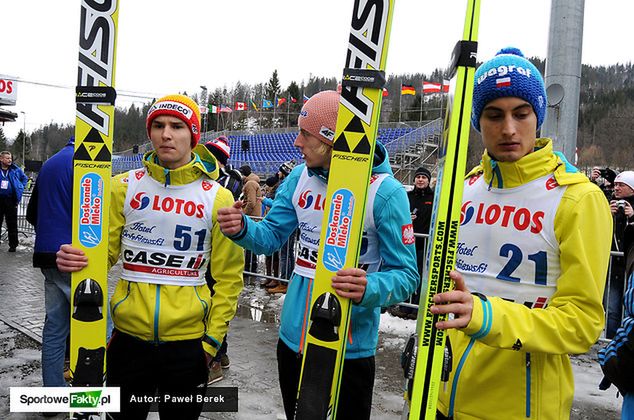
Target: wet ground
(252, 339)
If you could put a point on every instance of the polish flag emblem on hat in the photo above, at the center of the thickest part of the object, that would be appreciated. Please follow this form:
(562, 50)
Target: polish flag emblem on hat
(503, 82)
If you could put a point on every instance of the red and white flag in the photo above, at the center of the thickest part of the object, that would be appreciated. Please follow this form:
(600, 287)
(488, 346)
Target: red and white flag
(445, 85)
(429, 87)
(241, 106)
(503, 82)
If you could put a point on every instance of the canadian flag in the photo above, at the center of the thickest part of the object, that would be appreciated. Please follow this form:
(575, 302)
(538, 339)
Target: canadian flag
(241, 106)
(429, 87)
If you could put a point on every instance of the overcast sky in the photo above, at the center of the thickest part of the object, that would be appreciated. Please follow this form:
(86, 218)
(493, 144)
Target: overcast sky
(167, 46)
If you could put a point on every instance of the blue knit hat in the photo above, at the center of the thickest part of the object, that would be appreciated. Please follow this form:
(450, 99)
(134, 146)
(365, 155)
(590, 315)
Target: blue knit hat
(508, 74)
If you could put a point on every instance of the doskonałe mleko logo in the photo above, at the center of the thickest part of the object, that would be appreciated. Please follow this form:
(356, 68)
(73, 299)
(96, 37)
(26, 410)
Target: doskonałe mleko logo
(60, 399)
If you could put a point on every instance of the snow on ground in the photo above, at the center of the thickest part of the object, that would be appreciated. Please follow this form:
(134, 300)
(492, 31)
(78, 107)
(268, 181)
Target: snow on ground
(589, 402)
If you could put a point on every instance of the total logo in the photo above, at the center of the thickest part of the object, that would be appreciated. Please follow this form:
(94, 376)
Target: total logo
(141, 201)
(306, 200)
(519, 218)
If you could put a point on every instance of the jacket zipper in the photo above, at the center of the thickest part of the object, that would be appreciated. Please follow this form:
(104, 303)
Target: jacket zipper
(528, 385)
(306, 320)
(157, 308)
(454, 384)
(116, 305)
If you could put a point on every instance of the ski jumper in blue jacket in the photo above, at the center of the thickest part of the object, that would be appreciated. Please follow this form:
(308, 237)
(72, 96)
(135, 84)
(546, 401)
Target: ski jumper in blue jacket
(393, 280)
(387, 256)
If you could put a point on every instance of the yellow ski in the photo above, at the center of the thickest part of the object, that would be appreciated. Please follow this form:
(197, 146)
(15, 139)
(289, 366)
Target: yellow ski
(350, 171)
(94, 125)
(426, 349)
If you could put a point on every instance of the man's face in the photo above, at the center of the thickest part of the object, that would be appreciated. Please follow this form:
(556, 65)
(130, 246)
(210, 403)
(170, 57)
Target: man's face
(171, 139)
(509, 129)
(6, 160)
(622, 190)
(309, 146)
(421, 181)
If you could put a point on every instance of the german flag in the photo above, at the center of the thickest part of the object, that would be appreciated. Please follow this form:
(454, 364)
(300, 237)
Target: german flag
(408, 90)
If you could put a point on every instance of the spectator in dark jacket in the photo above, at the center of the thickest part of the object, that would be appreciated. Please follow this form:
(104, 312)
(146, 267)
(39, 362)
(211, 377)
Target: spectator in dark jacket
(50, 211)
(617, 359)
(228, 177)
(231, 180)
(421, 203)
(622, 208)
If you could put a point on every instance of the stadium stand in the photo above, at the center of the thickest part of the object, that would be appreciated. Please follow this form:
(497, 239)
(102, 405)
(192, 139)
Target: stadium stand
(407, 146)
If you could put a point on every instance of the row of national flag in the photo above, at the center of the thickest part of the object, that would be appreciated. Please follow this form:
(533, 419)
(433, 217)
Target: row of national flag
(244, 106)
(428, 87)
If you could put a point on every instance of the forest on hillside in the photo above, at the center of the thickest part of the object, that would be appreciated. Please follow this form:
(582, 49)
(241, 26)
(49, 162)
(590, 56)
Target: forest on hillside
(606, 113)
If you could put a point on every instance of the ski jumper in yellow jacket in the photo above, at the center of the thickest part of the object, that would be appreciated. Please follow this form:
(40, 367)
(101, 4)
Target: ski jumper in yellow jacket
(534, 247)
(165, 228)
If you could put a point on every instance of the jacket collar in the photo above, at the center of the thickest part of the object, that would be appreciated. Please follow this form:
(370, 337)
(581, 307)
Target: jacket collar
(542, 161)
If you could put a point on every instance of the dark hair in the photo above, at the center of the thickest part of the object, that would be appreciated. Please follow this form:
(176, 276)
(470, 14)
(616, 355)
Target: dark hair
(245, 170)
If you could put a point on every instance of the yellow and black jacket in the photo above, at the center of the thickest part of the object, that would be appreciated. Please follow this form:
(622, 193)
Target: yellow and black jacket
(511, 361)
(164, 312)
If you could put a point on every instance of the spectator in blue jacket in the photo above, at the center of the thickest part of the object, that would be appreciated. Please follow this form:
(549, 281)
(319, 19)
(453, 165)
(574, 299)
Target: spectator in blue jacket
(12, 183)
(50, 211)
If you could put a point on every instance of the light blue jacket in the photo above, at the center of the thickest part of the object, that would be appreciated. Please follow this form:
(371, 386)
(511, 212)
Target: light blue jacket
(395, 281)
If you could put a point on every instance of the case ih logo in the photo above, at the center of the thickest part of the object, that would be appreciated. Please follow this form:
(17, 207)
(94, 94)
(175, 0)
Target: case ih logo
(306, 199)
(338, 231)
(520, 218)
(91, 210)
(167, 205)
(140, 201)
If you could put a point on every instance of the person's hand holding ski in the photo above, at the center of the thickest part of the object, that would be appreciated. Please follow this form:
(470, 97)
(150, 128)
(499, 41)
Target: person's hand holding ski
(350, 283)
(70, 259)
(458, 302)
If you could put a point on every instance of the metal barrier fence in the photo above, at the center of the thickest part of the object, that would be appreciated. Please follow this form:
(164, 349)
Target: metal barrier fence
(282, 262)
(291, 249)
(24, 227)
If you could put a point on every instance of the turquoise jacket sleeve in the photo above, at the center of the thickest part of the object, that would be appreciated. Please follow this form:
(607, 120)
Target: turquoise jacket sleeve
(398, 277)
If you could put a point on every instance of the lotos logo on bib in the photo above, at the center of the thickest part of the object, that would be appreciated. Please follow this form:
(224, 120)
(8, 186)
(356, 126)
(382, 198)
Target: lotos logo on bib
(139, 201)
(338, 230)
(466, 213)
(519, 218)
(167, 205)
(90, 210)
(306, 199)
